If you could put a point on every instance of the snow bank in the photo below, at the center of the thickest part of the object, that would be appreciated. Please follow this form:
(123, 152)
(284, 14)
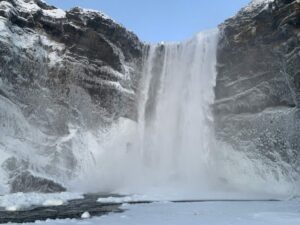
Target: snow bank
(162, 195)
(125, 199)
(20, 201)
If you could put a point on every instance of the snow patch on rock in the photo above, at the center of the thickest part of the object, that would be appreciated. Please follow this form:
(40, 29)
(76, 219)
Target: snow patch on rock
(55, 13)
(103, 15)
(257, 3)
(24, 40)
(28, 7)
(31, 7)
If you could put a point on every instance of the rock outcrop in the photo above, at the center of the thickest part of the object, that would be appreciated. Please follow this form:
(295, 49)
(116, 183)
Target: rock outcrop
(257, 91)
(61, 74)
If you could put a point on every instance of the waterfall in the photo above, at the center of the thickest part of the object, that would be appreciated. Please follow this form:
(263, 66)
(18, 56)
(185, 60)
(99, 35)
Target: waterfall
(175, 114)
(173, 146)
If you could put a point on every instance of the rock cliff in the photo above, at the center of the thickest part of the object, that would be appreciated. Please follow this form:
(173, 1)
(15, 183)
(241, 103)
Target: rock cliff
(257, 91)
(61, 74)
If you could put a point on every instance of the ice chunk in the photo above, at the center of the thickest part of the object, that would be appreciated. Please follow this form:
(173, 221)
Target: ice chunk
(53, 202)
(13, 208)
(86, 215)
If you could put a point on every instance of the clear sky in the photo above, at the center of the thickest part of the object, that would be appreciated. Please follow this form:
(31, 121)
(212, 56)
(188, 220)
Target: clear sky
(161, 20)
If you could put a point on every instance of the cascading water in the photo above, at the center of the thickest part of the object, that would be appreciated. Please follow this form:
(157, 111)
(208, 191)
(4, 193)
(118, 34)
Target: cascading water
(173, 144)
(175, 110)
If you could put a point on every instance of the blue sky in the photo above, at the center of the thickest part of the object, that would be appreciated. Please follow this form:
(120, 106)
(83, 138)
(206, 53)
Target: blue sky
(161, 20)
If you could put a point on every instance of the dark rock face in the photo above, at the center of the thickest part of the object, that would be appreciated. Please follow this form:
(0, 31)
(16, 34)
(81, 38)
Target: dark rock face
(26, 182)
(257, 92)
(61, 74)
(21, 180)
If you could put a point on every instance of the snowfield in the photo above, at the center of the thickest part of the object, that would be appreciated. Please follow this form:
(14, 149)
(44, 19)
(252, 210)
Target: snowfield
(202, 213)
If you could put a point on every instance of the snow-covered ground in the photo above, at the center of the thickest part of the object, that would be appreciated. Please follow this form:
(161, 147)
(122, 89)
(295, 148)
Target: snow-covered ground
(180, 197)
(202, 213)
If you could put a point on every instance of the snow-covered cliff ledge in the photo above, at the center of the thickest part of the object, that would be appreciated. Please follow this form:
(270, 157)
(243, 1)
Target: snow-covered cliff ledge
(254, 4)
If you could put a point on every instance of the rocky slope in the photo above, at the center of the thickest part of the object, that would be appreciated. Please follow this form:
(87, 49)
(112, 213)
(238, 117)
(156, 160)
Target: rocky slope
(62, 74)
(258, 84)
